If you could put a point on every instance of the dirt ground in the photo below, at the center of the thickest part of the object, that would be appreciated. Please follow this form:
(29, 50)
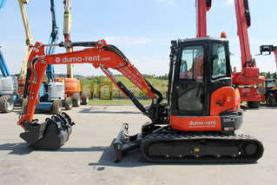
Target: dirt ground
(87, 159)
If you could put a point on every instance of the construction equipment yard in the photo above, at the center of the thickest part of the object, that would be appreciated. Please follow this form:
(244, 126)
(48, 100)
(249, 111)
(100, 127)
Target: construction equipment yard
(86, 158)
(176, 92)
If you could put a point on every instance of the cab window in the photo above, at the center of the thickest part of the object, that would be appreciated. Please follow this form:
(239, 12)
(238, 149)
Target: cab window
(219, 62)
(192, 60)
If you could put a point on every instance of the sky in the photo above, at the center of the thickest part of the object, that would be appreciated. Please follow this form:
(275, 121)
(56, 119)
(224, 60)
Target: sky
(142, 29)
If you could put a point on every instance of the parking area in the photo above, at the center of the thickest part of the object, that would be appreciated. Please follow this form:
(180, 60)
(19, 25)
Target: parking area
(87, 159)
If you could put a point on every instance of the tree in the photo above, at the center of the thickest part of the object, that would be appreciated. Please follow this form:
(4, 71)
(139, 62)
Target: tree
(274, 76)
(268, 75)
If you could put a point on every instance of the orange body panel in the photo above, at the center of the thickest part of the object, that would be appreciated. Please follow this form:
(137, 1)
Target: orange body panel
(191, 123)
(224, 99)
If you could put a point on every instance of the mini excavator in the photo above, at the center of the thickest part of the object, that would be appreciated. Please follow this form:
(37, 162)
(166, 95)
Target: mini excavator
(196, 124)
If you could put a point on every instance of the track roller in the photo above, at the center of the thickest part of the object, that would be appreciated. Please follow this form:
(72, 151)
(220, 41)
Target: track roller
(49, 135)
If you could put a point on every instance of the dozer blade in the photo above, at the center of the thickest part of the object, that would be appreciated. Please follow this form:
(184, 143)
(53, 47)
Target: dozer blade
(124, 143)
(49, 135)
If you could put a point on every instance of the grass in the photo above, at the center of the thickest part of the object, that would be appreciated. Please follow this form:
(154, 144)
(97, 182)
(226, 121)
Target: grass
(159, 84)
(116, 102)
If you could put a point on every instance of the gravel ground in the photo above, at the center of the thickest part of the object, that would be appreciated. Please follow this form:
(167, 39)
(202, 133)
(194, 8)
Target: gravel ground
(86, 158)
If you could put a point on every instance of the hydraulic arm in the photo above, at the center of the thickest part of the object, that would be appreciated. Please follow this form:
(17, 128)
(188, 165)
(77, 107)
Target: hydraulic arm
(100, 55)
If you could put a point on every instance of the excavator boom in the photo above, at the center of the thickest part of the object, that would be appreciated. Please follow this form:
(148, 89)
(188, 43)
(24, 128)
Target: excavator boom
(100, 55)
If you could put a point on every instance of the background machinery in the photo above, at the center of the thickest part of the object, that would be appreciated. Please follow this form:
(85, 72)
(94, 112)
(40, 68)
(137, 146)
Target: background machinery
(8, 87)
(52, 92)
(72, 85)
(270, 84)
(197, 124)
(269, 49)
(8, 84)
(248, 80)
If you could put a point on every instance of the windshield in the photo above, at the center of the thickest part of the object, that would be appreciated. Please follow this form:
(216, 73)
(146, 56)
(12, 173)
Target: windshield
(191, 67)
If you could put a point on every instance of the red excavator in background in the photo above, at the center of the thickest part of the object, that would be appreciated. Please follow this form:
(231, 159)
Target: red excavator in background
(197, 124)
(248, 81)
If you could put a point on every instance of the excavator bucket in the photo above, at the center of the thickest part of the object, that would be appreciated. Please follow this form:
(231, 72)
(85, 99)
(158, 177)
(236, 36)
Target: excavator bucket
(49, 135)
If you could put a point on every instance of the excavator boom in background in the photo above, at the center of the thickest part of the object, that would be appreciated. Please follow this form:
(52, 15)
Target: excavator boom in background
(73, 87)
(28, 41)
(248, 80)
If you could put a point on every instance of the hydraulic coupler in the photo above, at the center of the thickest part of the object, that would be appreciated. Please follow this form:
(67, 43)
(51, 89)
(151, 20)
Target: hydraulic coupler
(49, 135)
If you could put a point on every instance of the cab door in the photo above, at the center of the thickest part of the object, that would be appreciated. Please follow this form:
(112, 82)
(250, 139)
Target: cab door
(188, 97)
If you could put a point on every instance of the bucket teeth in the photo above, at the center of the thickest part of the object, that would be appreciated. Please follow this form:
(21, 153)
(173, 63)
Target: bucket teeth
(49, 135)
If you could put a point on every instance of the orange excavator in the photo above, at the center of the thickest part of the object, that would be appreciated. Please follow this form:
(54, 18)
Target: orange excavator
(197, 124)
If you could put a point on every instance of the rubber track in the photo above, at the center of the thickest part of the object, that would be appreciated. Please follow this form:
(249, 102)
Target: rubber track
(164, 137)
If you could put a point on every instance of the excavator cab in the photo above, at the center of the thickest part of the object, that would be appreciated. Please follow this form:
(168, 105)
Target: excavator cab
(201, 97)
(200, 67)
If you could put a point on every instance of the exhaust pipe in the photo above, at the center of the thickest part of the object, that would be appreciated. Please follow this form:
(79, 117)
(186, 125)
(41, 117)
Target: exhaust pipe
(49, 135)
